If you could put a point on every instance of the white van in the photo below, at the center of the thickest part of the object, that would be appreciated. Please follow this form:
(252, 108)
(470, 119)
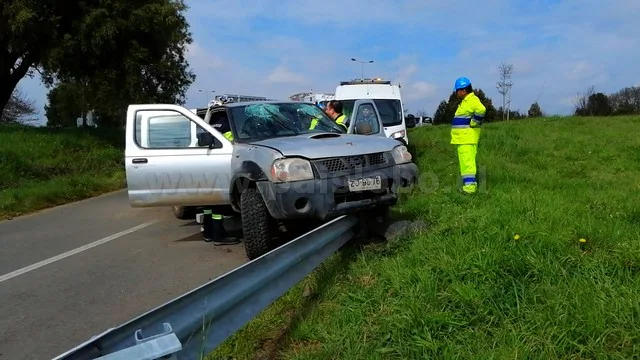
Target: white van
(382, 96)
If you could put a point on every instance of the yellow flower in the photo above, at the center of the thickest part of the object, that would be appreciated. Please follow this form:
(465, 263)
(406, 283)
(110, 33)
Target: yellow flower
(583, 240)
(516, 237)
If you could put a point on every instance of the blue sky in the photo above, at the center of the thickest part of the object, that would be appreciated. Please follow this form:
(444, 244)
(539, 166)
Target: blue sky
(278, 48)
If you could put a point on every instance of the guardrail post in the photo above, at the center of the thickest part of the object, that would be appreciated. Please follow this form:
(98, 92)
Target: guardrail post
(161, 346)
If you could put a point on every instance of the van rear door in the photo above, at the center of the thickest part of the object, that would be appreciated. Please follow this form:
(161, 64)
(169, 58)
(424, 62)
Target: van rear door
(365, 119)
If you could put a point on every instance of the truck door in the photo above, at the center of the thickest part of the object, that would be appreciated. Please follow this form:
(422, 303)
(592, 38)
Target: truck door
(365, 119)
(169, 162)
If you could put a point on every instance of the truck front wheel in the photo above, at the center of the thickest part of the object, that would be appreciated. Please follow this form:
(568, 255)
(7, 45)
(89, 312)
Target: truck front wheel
(257, 225)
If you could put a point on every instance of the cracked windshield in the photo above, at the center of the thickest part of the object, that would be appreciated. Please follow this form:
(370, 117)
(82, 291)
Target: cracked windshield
(265, 121)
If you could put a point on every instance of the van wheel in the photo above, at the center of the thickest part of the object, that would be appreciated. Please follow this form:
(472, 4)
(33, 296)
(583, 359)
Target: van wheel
(184, 212)
(257, 225)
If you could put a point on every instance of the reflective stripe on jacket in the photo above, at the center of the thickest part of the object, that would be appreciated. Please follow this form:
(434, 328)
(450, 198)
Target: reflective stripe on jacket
(466, 123)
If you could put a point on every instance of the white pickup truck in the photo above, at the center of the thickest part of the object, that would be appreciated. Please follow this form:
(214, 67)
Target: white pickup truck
(277, 170)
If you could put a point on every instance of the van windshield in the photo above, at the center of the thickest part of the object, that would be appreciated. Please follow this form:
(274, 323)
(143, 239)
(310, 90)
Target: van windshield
(390, 110)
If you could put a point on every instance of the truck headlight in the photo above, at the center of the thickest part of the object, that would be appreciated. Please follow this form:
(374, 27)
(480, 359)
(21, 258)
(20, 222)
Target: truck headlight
(401, 155)
(398, 134)
(293, 169)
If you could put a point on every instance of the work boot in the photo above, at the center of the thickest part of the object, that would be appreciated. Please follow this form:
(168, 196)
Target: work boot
(470, 188)
(220, 234)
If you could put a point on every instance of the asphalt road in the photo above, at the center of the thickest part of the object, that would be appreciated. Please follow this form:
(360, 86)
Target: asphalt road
(72, 272)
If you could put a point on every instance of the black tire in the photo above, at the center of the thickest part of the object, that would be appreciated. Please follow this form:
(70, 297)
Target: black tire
(382, 214)
(374, 223)
(257, 224)
(184, 212)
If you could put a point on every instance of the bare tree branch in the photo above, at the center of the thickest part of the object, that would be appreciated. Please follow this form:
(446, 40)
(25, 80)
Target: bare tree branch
(581, 102)
(504, 87)
(19, 109)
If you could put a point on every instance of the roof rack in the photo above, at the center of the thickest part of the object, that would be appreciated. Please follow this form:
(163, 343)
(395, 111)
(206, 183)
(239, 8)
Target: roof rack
(366, 81)
(312, 97)
(234, 98)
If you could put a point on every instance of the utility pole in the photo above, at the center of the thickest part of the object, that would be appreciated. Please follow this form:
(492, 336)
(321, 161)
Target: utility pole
(362, 66)
(206, 91)
(504, 87)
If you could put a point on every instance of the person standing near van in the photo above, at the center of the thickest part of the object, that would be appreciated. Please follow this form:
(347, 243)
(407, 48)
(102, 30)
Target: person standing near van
(465, 132)
(334, 110)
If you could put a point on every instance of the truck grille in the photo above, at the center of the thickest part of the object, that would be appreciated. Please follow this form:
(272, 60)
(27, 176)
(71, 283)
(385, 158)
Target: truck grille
(347, 164)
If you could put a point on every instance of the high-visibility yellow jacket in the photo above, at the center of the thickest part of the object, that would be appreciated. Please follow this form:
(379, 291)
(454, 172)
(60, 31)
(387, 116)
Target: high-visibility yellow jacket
(228, 135)
(340, 121)
(314, 123)
(465, 127)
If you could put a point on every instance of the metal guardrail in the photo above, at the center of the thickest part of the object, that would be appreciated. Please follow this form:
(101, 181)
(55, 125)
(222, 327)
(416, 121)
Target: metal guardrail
(194, 324)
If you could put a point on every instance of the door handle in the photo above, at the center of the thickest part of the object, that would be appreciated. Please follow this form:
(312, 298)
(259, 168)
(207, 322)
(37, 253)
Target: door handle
(139, 161)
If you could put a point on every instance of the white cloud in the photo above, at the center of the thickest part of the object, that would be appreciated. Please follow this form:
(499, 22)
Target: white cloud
(569, 100)
(282, 75)
(421, 90)
(201, 58)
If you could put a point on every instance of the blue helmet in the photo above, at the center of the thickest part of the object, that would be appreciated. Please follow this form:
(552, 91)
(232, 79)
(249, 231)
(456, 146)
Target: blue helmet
(461, 83)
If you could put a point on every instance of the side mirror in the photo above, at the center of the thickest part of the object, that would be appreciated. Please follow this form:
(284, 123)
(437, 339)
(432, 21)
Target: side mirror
(207, 139)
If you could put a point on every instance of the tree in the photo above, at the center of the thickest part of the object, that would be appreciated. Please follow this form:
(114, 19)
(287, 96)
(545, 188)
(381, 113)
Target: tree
(134, 49)
(504, 87)
(626, 101)
(18, 110)
(581, 101)
(64, 108)
(447, 108)
(598, 105)
(534, 110)
(513, 114)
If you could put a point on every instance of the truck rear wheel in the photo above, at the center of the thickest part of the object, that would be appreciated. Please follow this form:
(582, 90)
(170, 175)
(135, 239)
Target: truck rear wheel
(184, 212)
(257, 225)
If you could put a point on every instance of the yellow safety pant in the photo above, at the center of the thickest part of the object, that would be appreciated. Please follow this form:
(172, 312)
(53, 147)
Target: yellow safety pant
(467, 159)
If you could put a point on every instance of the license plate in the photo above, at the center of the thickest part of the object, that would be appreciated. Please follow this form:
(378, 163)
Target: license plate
(365, 183)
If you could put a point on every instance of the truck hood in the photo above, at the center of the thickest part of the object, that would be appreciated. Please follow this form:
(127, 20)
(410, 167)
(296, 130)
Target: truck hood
(323, 145)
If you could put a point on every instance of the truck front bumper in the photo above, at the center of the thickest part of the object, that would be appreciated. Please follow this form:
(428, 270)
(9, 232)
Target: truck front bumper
(328, 198)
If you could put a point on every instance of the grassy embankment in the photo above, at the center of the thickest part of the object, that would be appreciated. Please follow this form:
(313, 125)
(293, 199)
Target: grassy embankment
(500, 275)
(42, 167)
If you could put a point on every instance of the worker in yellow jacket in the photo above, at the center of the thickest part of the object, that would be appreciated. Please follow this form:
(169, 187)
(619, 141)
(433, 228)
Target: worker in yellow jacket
(334, 110)
(213, 224)
(465, 132)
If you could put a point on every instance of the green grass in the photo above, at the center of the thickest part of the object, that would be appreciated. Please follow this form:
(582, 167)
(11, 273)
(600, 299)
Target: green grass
(41, 167)
(464, 287)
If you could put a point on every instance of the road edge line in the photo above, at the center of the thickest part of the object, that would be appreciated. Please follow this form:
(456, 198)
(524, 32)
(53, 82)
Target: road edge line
(78, 250)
